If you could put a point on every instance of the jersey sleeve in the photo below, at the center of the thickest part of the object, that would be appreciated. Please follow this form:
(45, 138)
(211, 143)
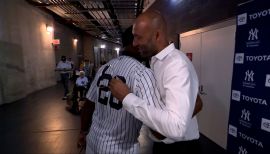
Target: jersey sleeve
(92, 92)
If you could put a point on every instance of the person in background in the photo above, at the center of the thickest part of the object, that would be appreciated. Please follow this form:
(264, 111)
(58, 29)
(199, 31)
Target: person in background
(88, 68)
(64, 68)
(71, 62)
(71, 74)
(81, 85)
(81, 65)
(81, 88)
(174, 128)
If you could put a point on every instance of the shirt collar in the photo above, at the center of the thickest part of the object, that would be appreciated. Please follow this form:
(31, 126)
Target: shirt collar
(163, 53)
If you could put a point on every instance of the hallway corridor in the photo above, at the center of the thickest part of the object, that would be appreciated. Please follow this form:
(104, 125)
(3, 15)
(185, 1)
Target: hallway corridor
(39, 124)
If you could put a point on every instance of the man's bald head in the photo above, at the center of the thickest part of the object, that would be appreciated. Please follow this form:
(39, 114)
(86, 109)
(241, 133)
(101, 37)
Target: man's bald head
(150, 33)
(153, 19)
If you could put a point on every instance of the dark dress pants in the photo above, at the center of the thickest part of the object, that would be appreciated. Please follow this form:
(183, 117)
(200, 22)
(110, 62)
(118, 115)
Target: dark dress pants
(182, 147)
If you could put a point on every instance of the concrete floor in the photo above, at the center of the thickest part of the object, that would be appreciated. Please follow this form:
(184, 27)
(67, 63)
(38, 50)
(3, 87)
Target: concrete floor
(40, 124)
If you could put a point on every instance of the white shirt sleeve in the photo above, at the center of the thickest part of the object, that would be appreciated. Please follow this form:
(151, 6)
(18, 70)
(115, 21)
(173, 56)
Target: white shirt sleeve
(172, 120)
(59, 65)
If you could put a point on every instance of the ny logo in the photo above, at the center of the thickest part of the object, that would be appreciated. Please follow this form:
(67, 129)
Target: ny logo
(239, 58)
(249, 75)
(267, 82)
(242, 150)
(242, 19)
(236, 95)
(245, 114)
(253, 34)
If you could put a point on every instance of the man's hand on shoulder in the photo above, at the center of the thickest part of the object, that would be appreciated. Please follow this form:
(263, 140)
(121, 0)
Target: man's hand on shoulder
(119, 89)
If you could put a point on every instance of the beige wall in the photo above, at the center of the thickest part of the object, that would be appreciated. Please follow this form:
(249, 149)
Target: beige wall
(26, 57)
(208, 45)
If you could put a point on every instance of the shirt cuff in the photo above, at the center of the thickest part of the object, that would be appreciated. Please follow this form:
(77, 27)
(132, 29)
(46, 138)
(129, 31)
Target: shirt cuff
(129, 101)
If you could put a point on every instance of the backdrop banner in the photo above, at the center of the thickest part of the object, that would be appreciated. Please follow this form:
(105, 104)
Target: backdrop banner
(249, 121)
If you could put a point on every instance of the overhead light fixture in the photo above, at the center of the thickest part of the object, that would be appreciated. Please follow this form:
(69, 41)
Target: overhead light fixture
(49, 28)
(102, 46)
(117, 50)
(176, 1)
(103, 36)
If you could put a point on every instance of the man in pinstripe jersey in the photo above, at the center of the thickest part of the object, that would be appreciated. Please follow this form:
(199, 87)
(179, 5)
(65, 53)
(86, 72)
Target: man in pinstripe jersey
(113, 129)
(177, 83)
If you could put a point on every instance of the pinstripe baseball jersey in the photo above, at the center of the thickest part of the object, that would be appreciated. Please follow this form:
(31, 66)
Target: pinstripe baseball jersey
(113, 129)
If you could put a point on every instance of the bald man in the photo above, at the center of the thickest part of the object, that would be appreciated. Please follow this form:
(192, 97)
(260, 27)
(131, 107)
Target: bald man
(177, 82)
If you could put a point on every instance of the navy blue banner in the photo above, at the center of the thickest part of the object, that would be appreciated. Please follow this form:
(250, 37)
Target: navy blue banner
(249, 121)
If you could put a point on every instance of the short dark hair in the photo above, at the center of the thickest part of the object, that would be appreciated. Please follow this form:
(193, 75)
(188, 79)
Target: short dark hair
(129, 49)
(63, 58)
(127, 37)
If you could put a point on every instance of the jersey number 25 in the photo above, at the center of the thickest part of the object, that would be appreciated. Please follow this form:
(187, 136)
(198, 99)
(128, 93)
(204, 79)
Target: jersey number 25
(105, 88)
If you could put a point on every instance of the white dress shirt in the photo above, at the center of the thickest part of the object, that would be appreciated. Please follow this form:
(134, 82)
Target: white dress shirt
(63, 67)
(178, 84)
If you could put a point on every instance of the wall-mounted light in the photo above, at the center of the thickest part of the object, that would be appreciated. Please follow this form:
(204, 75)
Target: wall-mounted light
(49, 28)
(75, 40)
(102, 46)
